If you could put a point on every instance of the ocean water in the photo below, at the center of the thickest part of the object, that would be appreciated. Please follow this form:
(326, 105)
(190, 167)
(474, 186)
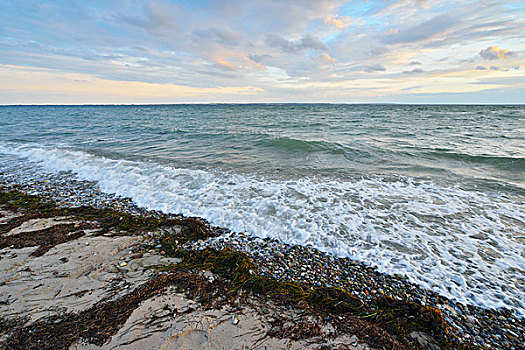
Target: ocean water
(436, 193)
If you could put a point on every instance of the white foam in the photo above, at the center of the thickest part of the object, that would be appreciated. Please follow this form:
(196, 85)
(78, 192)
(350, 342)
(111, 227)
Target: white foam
(465, 245)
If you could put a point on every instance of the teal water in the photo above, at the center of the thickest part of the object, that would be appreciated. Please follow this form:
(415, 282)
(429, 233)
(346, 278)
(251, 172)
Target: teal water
(460, 142)
(433, 192)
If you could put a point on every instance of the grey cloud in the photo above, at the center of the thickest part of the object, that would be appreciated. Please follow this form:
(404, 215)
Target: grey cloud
(481, 68)
(157, 16)
(227, 37)
(377, 51)
(375, 68)
(258, 58)
(414, 63)
(495, 68)
(411, 88)
(306, 42)
(495, 53)
(220, 35)
(414, 71)
(421, 31)
(162, 13)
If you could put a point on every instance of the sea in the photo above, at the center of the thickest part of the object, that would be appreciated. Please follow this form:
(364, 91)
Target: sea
(432, 192)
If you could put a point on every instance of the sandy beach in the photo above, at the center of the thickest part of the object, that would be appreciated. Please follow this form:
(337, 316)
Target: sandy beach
(109, 280)
(56, 299)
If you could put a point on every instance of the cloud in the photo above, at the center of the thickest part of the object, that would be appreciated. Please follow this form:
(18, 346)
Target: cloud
(212, 43)
(341, 22)
(414, 71)
(258, 58)
(223, 63)
(411, 88)
(495, 53)
(162, 13)
(481, 68)
(222, 36)
(325, 58)
(376, 51)
(335, 21)
(495, 68)
(375, 68)
(306, 42)
(157, 16)
(422, 31)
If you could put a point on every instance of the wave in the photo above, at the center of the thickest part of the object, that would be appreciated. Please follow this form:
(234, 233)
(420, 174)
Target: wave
(439, 226)
(499, 161)
(290, 144)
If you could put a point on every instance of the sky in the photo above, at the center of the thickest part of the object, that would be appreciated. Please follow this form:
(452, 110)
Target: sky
(267, 51)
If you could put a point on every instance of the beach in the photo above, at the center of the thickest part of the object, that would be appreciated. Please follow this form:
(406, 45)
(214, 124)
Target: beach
(366, 225)
(433, 193)
(65, 284)
(262, 175)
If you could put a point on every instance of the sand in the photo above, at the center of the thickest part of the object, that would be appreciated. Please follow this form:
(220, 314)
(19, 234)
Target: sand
(75, 276)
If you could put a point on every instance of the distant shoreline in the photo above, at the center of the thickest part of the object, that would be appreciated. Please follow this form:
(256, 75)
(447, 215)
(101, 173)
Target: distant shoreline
(264, 104)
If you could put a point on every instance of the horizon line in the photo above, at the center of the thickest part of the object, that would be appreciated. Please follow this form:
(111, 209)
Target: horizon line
(259, 103)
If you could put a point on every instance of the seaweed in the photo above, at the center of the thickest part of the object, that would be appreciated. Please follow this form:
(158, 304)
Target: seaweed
(95, 325)
(397, 317)
(8, 324)
(100, 322)
(109, 221)
(46, 238)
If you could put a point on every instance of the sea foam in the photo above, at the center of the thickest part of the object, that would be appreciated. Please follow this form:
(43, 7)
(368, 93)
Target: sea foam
(465, 245)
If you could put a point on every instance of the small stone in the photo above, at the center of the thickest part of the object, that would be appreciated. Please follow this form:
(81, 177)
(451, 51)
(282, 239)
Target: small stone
(235, 320)
(123, 264)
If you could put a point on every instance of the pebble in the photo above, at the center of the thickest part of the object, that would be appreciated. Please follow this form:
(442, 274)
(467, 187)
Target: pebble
(306, 264)
(235, 320)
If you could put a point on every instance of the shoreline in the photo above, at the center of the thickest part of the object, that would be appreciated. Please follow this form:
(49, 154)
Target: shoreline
(305, 265)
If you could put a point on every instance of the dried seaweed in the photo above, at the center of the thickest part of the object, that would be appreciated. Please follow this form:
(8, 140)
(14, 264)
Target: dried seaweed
(46, 238)
(95, 325)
